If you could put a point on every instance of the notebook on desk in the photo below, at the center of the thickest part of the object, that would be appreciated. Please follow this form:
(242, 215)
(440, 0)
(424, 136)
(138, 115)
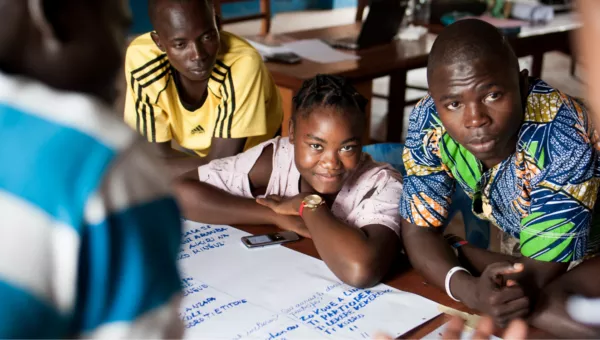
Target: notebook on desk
(380, 27)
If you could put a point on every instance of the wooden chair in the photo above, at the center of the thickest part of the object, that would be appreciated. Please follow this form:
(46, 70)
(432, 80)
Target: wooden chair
(477, 232)
(264, 15)
(360, 10)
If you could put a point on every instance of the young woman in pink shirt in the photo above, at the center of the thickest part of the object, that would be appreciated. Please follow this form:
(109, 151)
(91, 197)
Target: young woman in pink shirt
(317, 183)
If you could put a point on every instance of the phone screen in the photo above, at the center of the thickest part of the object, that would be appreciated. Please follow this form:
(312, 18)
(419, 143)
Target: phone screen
(259, 239)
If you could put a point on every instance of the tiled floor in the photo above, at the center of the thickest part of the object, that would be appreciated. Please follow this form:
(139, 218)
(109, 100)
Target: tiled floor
(555, 71)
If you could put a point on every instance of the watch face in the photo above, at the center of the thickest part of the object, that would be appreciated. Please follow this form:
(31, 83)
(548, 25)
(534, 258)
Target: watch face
(313, 200)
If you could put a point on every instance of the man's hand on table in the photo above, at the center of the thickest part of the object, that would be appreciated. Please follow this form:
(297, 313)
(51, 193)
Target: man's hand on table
(497, 293)
(516, 330)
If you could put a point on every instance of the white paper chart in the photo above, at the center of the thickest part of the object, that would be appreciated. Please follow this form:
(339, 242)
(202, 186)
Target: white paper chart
(231, 292)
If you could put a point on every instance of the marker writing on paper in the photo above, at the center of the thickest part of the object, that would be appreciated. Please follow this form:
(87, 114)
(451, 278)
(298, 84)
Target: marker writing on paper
(323, 310)
(304, 305)
(194, 315)
(204, 302)
(196, 235)
(187, 282)
(195, 289)
(206, 247)
(190, 287)
(333, 286)
(275, 335)
(343, 312)
(351, 291)
(260, 325)
(202, 309)
(202, 239)
(198, 230)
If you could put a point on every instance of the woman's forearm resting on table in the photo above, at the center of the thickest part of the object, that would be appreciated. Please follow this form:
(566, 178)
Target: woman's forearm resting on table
(358, 256)
(202, 202)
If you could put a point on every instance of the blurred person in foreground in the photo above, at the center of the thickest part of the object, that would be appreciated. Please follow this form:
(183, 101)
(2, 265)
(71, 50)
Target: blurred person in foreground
(516, 330)
(88, 230)
(584, 307)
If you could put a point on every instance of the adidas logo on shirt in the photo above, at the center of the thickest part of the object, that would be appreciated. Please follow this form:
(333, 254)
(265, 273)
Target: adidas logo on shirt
(197, 129)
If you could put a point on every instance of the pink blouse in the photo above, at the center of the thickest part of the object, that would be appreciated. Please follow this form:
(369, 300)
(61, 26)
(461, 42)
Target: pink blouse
(351, 204)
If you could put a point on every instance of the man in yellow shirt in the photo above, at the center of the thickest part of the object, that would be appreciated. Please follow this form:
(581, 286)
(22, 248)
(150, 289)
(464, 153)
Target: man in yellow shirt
(207, 90)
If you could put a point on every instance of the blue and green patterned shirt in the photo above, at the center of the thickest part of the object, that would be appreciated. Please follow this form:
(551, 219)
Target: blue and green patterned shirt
(543, 194)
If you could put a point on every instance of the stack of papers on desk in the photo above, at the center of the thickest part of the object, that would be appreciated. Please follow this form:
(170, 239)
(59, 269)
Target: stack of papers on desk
(267, 50)
(500, 22)
(318, 51)
(310, 49)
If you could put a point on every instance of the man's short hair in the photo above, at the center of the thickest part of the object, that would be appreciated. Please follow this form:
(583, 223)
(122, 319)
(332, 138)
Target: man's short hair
(469, 40)
(153, 4)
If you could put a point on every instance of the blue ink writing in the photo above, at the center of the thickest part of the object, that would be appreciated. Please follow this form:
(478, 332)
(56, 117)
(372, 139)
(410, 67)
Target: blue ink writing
(282, 332)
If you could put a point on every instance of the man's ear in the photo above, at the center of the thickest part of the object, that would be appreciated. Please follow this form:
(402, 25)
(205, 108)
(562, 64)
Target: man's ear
(524, 85)
(156, 40)
(41, 23)
(291, 131)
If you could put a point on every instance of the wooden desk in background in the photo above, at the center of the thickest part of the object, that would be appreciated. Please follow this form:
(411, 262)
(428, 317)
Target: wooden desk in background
(398, 57)
(536, 40)
(394, 58)
(539, 39)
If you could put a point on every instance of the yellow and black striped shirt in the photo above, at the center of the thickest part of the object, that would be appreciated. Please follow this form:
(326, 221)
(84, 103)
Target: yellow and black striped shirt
(242, 101)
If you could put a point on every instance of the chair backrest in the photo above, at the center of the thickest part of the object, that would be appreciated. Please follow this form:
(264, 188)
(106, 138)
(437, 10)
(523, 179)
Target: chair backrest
(264, 14)
(387, 153)
(360, 9)
(477, 231)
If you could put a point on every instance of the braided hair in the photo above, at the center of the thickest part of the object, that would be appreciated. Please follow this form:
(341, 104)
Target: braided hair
(328, 90)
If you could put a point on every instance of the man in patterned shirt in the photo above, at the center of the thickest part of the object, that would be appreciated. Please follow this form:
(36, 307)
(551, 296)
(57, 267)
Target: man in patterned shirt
(520, 149)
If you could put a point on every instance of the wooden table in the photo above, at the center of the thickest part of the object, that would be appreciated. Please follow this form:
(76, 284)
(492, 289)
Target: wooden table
(379, 61)
(403, 277)
(538, 39)
(398, 57)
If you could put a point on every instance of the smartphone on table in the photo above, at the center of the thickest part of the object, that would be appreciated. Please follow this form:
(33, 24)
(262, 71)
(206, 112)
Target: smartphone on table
(284, 57)
(256, 241)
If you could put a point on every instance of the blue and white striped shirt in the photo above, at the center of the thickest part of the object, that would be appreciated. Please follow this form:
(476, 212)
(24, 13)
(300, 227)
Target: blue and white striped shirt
(88, 230)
